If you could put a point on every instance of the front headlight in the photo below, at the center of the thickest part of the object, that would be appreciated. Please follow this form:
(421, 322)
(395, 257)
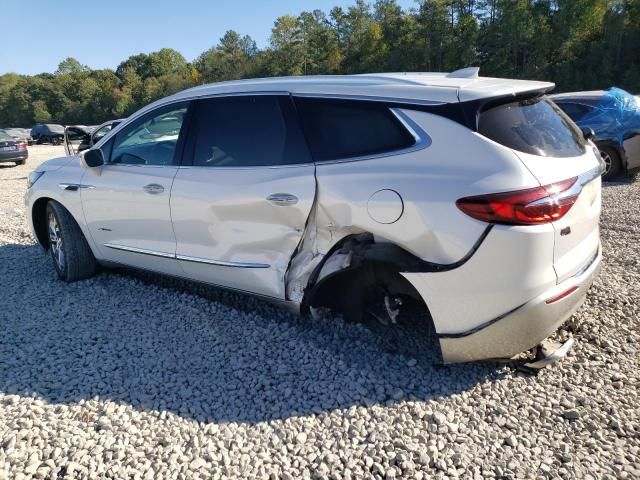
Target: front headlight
(33, 178)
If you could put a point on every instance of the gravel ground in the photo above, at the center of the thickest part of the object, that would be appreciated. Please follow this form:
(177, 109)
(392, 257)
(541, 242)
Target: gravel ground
(123, 377)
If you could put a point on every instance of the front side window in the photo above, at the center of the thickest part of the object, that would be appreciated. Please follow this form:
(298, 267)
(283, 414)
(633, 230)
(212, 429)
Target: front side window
(246, 131)
(342, 129)
(151, 140)
(535, 125)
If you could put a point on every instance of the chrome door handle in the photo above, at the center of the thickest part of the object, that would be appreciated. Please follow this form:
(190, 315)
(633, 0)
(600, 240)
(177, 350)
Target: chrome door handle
(282, 199)
(153, 188)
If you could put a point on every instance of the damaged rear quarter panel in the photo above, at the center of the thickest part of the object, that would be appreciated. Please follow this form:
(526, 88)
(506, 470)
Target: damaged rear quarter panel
(429, 181)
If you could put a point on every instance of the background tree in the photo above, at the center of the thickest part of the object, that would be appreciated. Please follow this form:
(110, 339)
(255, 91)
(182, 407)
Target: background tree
(578, 44)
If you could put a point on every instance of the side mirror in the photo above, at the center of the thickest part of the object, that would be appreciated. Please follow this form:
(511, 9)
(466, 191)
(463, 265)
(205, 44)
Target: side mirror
(93, 158)
(588, 133)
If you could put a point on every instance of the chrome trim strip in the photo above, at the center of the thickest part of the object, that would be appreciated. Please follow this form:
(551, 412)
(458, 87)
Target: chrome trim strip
(258, 167)
(143, 251)
(75, 186)
(290, 305)
(133, 165)
(186, 258)
(368, 98)
(221, 263)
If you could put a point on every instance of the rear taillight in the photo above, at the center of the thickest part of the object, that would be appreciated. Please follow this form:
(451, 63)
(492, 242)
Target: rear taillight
(532, 206)
(22, 146)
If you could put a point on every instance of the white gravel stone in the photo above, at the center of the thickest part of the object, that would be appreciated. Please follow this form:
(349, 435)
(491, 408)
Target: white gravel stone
(134, 376)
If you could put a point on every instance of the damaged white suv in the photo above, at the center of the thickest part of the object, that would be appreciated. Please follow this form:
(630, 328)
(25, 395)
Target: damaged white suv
(476, 197)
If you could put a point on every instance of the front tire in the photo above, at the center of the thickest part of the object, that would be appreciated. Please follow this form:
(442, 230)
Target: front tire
(55, 141)
(612, 162)
(70, 252)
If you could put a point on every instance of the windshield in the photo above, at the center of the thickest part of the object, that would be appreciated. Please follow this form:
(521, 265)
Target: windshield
(535, 125)
(5, 138)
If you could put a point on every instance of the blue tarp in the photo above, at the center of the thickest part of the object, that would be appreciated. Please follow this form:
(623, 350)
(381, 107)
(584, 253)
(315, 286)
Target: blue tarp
(616, 116)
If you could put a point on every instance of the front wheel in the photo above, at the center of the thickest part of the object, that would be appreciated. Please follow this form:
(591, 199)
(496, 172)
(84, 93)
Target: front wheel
(70, 252)
(612, 164)
(55, 141)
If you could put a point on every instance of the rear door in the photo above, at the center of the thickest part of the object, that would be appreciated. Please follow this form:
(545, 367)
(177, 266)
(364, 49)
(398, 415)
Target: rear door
(553, 149)
(241, 200)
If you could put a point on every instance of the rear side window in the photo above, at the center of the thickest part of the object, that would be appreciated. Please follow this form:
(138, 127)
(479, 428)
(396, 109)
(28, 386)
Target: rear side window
(342, 129)
(534, 126)
(246, 131)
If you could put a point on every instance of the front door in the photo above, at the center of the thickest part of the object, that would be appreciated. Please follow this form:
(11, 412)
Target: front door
(241, 201)
(126, 201)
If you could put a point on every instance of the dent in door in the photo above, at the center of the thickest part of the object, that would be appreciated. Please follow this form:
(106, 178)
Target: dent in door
(229, 225)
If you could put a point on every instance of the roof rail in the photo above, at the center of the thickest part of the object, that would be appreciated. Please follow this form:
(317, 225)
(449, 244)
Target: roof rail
(469, 72)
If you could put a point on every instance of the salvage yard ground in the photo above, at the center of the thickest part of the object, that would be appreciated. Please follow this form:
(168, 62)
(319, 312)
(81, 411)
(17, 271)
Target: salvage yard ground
(122, 377)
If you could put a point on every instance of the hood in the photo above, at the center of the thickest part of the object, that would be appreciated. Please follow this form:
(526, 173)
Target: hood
(54, 164)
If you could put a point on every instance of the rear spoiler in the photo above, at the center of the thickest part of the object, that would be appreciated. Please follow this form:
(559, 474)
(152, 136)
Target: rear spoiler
(467, 113)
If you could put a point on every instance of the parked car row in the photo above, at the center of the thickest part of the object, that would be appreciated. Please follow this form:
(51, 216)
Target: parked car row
(48, 133)
(19, 134)
(12, 150)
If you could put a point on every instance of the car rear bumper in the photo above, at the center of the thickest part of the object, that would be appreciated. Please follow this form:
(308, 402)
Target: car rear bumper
(523, 327)
(13, 156)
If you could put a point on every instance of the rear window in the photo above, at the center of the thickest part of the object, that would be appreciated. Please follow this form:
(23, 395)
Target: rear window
(534, 126)
(342, 129)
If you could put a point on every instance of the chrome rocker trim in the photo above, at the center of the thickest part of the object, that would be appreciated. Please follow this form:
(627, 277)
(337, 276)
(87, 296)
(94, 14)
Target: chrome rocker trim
(186, 258)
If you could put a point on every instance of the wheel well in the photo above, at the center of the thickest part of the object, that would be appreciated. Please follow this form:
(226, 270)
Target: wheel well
(357, 264)
(39, 219)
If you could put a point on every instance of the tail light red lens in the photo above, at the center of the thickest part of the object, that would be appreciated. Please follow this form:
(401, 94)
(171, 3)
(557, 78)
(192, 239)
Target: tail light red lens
(532, 206)
(22, 146)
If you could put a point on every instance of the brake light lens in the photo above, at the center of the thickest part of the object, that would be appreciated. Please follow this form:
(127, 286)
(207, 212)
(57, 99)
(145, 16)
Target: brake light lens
(22, 146)
(532, 206)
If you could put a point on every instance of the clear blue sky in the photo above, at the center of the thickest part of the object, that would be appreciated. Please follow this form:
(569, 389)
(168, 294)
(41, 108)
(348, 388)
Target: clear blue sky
(37, 34)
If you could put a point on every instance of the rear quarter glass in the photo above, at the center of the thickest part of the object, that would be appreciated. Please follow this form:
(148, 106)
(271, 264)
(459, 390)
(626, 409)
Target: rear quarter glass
(535, 126)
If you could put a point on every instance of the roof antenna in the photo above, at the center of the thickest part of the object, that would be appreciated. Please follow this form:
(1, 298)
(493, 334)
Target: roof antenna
(469, 72)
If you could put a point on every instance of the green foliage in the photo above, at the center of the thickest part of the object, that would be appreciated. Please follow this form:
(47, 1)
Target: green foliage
(578, 44)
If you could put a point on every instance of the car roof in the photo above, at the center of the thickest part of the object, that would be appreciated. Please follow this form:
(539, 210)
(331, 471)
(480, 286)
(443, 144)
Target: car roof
(431, 88)
(419, 87)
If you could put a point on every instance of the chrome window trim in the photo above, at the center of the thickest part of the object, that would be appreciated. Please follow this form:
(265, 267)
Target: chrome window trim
(258, 167)
(221, 263)
(130, 165)
(186, 258)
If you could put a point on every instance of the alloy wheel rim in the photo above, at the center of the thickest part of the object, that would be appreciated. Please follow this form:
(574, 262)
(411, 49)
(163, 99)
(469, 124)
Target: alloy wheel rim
(607, 161)
(55, 241)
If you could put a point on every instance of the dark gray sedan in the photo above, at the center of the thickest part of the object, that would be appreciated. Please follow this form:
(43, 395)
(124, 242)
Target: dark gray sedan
(12, 150)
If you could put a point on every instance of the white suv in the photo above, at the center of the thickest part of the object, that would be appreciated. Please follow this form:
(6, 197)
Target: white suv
(476, 198)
